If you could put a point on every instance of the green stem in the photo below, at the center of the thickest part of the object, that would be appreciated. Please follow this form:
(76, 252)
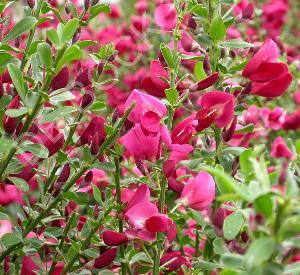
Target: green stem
(119, 202)
(62, 240)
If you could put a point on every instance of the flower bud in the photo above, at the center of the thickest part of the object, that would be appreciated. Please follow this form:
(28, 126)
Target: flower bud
(87, 98)
(112, 238)
(87, 179)
(112, 58)
(87, 4)
(31, 3)
(76, 36)
(64, 174)
(106, 258)
(169, 167)
(205, 83)
(100, 67)
(67, 9)
(61, 79)
(192, 23)
(95, 2)
(248, 11)
(206, 65)
(228, 133)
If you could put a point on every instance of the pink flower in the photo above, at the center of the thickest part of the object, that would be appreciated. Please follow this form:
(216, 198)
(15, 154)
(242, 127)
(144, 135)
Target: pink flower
(5, 227)
(251, 115)
(165, 16)
(50, 137)
(273, 119)
(199, 192)
(154, 84)
(61, 79)
(279, 149)
(106, 258)
(217, 108)
(184, 130)
(143, 216)
(148, 110)
(112, 238)
(269, 77)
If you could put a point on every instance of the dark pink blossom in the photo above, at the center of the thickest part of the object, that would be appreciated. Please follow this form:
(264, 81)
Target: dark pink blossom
(269, 77)
(199, 192)
(279, 149)
(165, 16)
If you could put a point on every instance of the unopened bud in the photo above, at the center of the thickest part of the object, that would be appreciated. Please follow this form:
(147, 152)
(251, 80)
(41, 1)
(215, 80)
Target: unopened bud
(87, 179)
(67, 9)
(64, 174)
(112, 58)
(206, 65)
(228, 133)
(95, 2)
(31, 3)
(192, 23)
(87, 4)
(76, 36)
(87, 99)
(169, 167)
(248, 11)
(100, 67)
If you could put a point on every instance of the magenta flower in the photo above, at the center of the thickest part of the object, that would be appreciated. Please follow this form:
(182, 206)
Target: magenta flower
(269, 77)
(279, 149)
(106, 258)
(199, 192)
(165, 16)
(148, 110)
(112, 238)
(154, 84)
(273, 119)
(61, 79)
(144, 217)
(217, 108)
(50, 137)
(251, 115)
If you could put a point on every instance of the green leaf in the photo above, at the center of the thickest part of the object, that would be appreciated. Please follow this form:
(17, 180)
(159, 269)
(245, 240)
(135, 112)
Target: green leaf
(20, 183)
(219, 246)
(85, 43)
(245, 163)
(97, 106)
(53, 37)
(237, 44)
(58, 113)
(199, 10)
(68, 30)
(217, 29)
(247, 129)
(106, 166)
(171, 95)
(264, 204)
(18, 80)
(259, 252)
(71, 54)
(38, 150)
(97, 9)
(45, 54)
(232, 260)
(167, 54)
(22, 26)
(16, 112)
(10, 239)
(53, 232)
(91, 252)
(3, 216)
(97, 194)
(4, 101)
(232, 225)
(6, 144)
(61, 95)
(199, 71)
(226, 184)
(292, 269)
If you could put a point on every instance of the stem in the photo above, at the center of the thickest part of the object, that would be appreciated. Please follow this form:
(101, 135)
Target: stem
(61, 243)
(119, 201)
(197, 243)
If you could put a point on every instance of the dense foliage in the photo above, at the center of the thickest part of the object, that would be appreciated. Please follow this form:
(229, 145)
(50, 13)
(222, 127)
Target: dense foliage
(150, 137)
